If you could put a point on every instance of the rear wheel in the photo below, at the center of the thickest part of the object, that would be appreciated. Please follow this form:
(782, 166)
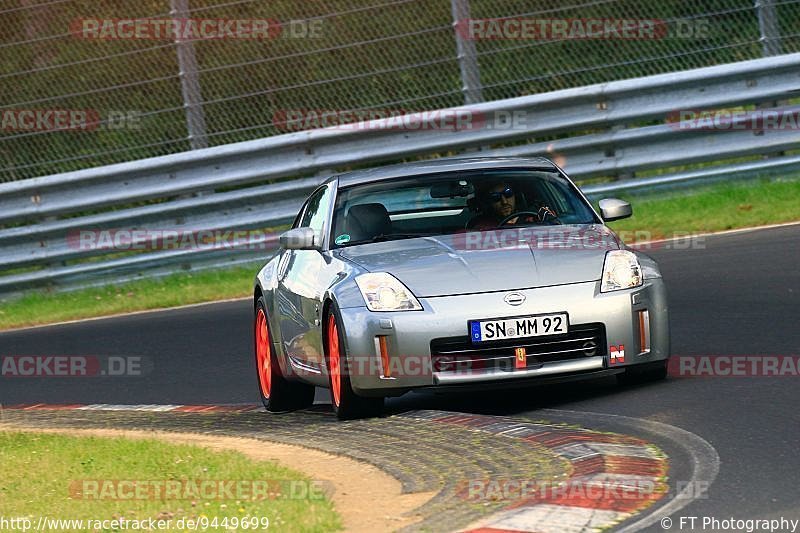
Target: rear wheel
(346, 403)
(645, 373)
(277, 393)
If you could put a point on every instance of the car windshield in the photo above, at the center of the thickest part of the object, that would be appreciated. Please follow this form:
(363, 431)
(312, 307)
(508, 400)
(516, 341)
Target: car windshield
(441, 204)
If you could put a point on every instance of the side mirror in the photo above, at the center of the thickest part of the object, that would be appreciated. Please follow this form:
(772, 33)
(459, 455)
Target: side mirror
(614, 209)
(300, 239)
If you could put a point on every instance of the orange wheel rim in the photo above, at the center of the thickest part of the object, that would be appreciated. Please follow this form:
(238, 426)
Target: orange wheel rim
(263, 354)
(334, 358)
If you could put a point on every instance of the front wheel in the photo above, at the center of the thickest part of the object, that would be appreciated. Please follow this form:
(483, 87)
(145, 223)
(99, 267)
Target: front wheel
(346, 403)
(277, 393)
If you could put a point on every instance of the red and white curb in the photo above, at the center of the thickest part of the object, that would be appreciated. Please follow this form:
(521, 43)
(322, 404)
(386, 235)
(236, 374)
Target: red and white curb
(616, 467)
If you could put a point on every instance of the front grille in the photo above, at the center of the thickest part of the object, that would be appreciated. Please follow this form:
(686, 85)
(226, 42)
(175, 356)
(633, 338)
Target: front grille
(458, 354)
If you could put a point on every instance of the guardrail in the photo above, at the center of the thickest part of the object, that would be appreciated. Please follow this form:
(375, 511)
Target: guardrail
(603, 137)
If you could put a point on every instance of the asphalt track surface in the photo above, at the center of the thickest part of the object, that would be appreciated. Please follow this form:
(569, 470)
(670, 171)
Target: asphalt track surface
(732, 294)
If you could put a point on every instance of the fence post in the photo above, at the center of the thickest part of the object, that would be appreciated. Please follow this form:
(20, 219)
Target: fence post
(190, 83)
(768, 27)
(467, 54)
(770, 32)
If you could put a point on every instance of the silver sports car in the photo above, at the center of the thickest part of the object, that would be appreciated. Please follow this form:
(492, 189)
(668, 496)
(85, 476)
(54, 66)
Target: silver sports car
(451, 274)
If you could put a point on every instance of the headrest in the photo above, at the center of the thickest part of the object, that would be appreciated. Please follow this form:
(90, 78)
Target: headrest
(365, 221)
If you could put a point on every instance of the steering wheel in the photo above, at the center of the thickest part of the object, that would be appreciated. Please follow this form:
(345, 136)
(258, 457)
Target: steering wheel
(517, 214)
(539, 218)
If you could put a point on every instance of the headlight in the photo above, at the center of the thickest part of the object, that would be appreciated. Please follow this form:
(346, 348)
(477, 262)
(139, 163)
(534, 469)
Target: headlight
(384, 292)
(621, 271)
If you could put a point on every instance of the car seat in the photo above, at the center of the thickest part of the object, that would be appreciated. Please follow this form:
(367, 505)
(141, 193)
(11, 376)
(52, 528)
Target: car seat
(367, 221)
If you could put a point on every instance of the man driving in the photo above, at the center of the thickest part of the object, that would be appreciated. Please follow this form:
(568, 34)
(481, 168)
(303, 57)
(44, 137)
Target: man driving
(500, 202)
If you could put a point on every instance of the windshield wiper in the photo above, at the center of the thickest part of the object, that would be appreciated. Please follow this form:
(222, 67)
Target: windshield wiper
(383, 237)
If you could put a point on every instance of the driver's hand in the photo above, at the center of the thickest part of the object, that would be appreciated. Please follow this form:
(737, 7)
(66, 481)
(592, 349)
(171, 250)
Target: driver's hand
(546, 211)
(539, 218)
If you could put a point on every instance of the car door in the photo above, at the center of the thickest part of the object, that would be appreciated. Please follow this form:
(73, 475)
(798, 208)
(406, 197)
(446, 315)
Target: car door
(300, 286)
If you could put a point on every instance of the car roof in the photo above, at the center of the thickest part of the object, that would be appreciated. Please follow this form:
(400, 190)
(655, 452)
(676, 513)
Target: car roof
(448, 164)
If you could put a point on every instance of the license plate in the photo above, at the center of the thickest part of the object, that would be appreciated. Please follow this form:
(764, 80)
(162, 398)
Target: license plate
(518, 327)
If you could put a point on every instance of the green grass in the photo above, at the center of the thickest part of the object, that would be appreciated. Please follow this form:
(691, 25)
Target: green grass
(713, 208)
(43, 475)
(171, 291)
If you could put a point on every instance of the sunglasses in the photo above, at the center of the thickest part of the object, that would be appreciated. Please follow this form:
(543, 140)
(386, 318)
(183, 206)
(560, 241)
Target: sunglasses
(507, 193)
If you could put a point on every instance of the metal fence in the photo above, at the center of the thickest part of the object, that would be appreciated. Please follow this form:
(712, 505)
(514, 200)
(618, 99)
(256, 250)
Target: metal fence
(134, 96)
(47, 218)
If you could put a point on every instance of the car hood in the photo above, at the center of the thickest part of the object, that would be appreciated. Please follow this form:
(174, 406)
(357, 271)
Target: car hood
(498, 260)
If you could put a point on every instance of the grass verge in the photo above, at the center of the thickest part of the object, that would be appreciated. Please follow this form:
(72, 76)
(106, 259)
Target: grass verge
(713, 208)
(171, 291)
(101, 478)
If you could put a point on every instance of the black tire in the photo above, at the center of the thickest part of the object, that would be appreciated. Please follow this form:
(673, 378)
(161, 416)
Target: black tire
(284, 395)
(348, 405)
(645, 373)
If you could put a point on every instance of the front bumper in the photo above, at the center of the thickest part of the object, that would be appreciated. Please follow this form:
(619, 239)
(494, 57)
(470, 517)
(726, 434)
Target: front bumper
(408, 335)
